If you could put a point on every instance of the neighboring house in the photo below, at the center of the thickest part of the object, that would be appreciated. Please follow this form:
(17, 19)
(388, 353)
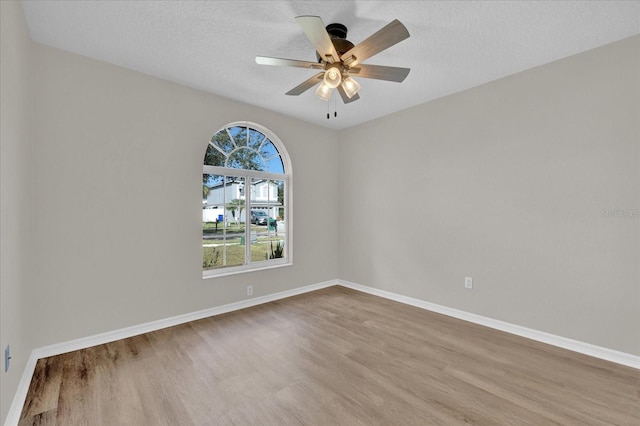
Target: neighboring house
(227, 199)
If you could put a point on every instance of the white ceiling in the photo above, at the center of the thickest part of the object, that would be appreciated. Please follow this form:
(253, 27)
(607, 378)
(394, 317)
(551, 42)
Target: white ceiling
(211, 45)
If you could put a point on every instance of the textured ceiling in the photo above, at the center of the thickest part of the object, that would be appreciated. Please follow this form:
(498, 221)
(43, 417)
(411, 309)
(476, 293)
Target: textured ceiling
(211, 45)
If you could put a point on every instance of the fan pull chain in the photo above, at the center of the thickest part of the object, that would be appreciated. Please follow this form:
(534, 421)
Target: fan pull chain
(328, 111)
(335, 111)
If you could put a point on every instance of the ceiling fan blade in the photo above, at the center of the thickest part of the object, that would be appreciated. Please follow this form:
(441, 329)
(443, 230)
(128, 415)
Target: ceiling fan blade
(317, 34)
(279, 62)
(344, 96)
(306, 85)
(392, 33)
(380, 72)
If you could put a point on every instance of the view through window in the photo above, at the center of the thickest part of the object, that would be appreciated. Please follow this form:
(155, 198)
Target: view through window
(245, 208)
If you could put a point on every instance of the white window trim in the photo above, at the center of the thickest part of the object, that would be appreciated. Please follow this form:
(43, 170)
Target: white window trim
(287, 177)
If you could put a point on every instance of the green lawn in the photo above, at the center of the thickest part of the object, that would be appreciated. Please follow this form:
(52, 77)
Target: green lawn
(213, 257)
(209, 228)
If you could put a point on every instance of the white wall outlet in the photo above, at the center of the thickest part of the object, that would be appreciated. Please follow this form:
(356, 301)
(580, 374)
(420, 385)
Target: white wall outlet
(249, 290)
(468, 282)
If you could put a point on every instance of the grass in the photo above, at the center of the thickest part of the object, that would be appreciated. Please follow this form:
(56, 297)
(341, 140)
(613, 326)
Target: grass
(229, 251)
(210, 228)
(213, 257)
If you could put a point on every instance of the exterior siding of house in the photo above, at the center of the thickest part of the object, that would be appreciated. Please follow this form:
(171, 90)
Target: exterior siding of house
(264, 196)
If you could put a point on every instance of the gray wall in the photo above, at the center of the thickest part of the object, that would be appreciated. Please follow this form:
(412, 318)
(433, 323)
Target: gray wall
(507, 183)
(107, 145)
(112, 145)
(15, 194)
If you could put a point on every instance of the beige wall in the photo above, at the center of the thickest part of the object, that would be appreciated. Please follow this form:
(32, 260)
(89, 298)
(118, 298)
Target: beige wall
(110, 144)
(507, 183)
(15, 194)
(107, 143)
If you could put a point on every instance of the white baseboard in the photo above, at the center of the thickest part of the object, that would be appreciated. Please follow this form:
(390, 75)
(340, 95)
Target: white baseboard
(59, 348)
(15, 410)
(13, 417)
(123, 333)
(551, 339)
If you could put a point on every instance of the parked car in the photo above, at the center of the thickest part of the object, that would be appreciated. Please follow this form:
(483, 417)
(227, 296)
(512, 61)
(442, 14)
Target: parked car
(259, 217)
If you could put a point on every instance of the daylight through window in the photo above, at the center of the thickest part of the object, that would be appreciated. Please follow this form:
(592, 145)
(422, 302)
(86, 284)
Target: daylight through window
(245, 201)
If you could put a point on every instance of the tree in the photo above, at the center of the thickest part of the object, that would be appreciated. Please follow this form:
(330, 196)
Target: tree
(281, 198)
(236, 205)
(214, 157)
(229, 148)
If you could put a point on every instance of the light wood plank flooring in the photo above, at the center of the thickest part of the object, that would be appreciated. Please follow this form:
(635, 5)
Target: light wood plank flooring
(330, 357)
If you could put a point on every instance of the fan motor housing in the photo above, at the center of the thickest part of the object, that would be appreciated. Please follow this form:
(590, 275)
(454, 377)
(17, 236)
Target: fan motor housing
(338, 34)
(336, 30)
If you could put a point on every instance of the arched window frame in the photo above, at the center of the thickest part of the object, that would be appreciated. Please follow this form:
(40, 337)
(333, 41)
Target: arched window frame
(248, 175)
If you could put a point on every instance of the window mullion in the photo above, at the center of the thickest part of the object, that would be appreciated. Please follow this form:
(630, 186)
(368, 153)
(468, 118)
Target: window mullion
(217, 148)
(258, 172)
(224, 220)
(233, 141)
(262, 142)
(247, 219)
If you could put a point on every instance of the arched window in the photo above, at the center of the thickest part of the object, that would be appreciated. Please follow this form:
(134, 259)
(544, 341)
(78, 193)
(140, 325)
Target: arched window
(246, 186)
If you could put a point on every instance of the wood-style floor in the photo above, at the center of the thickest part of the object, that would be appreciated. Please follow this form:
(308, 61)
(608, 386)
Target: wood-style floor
(330, 357)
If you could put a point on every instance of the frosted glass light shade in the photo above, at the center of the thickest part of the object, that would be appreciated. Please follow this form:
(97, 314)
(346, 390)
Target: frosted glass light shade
(350, 87)
(324, 92)
(332, 77)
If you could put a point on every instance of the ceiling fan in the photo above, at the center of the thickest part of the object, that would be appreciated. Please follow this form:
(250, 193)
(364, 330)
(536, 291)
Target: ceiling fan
(340, 60)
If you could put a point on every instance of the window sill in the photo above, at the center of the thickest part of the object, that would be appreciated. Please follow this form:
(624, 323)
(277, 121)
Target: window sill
(235, 270)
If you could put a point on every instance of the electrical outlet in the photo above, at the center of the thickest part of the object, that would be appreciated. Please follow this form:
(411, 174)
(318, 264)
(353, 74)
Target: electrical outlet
(249, 290)
(468, 282)
(7, 357)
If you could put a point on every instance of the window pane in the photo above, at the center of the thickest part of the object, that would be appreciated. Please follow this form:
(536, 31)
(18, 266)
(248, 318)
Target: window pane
(274, 165)
(272, 158)
(241, 148)
(277, 232)
(239, 135)
(243, 220)
(223, 226)
(245, 158)
(213, 157)
(265, 209)
(223, 142)
(256, 139)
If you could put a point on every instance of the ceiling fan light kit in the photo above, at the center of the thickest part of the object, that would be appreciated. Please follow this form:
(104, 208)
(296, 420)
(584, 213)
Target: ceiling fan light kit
(350, 86)
(338, 58)
(323, 92)
(332, 77)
